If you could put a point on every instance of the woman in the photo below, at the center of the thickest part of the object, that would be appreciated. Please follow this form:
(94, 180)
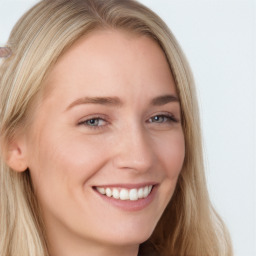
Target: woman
(100, 138)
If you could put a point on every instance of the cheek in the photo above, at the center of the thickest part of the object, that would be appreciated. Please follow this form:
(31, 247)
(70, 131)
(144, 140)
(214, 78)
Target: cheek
(60, 167)
(172, 152)
(65, 159)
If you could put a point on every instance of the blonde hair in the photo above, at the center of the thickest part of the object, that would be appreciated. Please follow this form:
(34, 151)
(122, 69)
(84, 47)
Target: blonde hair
(189, 225)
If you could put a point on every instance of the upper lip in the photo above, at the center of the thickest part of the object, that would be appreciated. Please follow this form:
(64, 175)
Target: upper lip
(127, 185)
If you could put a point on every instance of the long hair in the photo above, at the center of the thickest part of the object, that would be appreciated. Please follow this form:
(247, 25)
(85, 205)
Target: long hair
(189, 225)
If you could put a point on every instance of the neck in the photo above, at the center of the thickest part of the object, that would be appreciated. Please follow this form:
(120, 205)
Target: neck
(63, 245)
(99, 250)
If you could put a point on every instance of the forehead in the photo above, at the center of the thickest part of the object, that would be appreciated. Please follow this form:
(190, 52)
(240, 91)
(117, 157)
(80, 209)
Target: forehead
(110, 57)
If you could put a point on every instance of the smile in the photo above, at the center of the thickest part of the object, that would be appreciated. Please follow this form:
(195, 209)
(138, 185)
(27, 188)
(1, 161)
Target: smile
(133, 194)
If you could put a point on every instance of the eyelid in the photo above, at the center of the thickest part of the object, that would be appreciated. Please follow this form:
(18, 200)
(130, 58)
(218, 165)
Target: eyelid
(93, 116)
(83, 121)
(173, 118)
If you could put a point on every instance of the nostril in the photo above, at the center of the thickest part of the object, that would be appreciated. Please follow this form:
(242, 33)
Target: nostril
(134, 151)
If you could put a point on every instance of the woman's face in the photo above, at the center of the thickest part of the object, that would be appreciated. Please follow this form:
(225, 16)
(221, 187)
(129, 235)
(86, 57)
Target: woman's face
(106, 145)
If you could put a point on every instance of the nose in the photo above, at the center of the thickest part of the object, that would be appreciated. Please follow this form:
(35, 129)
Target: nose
(134, 150)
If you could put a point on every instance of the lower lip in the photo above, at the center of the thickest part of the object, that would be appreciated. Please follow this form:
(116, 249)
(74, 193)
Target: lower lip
(129, 205)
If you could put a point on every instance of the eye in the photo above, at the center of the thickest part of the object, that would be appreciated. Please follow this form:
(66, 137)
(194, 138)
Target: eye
(95, 122)
(163, 119)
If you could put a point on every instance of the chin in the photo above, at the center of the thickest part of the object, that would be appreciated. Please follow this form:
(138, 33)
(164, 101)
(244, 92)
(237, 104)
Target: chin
(134, 236)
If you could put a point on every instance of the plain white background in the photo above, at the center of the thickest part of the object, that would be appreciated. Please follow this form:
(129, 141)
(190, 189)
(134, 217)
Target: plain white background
(219, 39)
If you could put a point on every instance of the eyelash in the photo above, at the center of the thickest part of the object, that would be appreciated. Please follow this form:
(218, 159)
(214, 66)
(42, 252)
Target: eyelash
(98, 118)
(168, 119)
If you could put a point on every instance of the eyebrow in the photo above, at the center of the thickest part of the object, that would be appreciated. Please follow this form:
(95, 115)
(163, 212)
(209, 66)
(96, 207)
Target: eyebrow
(164, 99)
(108, 101)
(116, 102)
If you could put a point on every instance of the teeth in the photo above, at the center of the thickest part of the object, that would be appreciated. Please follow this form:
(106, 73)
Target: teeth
(101, 190)
(145, 192)
(140, 193)
(108, 192)
(116, 193)
(125, 194)
(133, 194)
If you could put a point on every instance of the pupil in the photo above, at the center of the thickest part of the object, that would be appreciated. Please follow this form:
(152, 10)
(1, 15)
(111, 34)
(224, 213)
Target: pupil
(92, 121)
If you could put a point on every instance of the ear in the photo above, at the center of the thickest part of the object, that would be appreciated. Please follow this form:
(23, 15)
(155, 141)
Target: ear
(16, 155)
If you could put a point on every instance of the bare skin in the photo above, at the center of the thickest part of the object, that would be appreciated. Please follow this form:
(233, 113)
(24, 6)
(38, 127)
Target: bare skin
(110, 118)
